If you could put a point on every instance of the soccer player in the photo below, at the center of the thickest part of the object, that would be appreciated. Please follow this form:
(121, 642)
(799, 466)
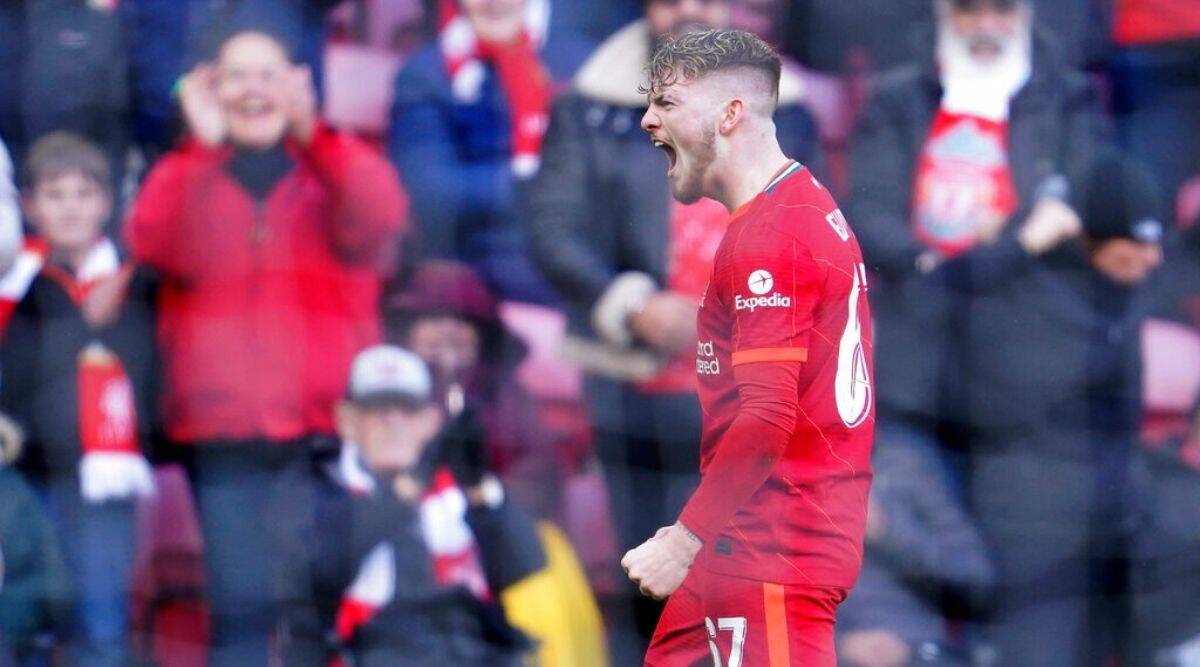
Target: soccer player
(771, 541)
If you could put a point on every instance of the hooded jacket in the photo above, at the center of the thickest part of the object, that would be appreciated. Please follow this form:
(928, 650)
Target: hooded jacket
(264, 302)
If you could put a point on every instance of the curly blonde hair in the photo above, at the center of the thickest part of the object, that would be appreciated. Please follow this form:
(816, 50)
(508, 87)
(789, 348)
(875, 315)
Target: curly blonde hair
(693, 55)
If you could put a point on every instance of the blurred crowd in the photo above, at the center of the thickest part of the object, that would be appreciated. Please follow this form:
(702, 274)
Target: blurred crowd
(361, 332)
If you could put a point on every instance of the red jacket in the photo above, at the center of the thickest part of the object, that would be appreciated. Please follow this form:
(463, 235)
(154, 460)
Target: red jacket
(264, 305)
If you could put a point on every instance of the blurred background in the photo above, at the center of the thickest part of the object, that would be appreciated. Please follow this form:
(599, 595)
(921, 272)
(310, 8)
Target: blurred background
(360, 332)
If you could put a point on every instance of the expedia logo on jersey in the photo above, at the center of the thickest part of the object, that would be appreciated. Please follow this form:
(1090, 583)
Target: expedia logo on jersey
(760, 283)
(707, 362)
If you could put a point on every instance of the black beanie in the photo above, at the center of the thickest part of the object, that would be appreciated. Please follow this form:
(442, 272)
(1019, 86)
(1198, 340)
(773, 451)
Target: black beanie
(1122, 200)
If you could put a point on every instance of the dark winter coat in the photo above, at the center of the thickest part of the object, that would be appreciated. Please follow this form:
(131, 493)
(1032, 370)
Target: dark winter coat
(328, 533)
(929, 551)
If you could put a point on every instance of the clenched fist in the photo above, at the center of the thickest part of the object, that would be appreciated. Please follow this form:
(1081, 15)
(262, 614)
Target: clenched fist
(659, 565)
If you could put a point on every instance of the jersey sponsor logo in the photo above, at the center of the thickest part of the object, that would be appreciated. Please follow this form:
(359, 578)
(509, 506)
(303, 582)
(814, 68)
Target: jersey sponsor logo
(837, 220)
(760, 283)
(707, 362)
(852, 385)
(776, 300)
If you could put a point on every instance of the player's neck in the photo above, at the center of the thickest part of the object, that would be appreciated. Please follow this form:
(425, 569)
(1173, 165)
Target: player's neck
(748, 170)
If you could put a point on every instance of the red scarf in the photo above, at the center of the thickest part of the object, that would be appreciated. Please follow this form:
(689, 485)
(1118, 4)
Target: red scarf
(107, 413)
(523, 78)
(963, 181)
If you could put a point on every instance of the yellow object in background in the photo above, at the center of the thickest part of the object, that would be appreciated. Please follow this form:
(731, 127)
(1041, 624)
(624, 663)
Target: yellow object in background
(557, 609)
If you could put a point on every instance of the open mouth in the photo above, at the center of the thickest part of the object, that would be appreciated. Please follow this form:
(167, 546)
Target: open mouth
(254, 106)
(672, 156)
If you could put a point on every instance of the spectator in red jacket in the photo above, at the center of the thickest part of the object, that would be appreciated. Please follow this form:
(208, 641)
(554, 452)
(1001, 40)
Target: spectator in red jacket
(272, 234)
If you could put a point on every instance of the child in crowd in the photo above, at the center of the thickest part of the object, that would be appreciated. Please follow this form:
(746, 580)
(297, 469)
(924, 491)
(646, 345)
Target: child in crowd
(76, 375)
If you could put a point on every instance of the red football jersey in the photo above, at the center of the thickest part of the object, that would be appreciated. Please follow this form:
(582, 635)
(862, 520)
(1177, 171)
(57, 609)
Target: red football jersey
(789, 284)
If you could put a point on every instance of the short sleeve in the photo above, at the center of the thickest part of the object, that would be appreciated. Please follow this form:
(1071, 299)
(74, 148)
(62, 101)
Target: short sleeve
(775, 286)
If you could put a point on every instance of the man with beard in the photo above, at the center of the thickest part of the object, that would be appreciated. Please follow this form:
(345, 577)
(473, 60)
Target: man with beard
(974, 147)
(630, 265)
(775, 528)
(963, 158)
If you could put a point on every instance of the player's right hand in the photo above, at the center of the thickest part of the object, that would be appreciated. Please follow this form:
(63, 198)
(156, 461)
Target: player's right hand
(659, 565)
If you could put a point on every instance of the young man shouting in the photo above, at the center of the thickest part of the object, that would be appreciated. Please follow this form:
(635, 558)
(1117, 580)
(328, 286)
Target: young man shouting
(771, 541)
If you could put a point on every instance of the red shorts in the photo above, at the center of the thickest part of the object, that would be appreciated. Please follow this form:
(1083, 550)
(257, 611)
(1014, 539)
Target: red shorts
(715, 619)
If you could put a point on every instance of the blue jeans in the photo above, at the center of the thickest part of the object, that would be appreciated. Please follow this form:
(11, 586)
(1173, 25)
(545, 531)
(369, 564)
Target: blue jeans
(234, 484)
(98, 542)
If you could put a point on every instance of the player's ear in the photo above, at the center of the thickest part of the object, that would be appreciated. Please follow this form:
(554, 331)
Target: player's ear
(733, 115)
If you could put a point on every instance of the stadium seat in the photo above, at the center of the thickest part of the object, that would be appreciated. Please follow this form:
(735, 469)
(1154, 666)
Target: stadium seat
(1170, 377)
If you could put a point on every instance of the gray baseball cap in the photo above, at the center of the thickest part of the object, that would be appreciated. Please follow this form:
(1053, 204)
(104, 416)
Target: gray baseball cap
(389, 375)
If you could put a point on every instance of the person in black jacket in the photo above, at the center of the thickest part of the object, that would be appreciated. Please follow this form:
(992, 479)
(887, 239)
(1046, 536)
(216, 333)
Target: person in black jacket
(398, 553)
(630, 265)
(925, 563)
(1054, 411)
(970, 152)
(79, 382)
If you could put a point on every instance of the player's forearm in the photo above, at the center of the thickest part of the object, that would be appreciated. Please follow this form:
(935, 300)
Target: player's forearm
(739, 468)
(751, 447)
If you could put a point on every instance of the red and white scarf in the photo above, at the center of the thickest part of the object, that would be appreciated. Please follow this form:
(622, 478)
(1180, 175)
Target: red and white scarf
(523, 77)
(963, 182)
(107, 416)
(451, 545)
